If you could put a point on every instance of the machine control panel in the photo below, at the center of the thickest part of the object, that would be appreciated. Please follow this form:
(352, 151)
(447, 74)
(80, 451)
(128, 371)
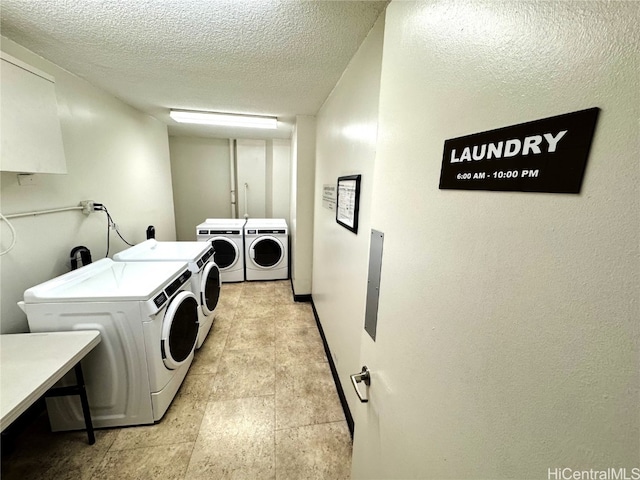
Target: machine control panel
(205, 257)
(160, 299)
(177, 283)
(218, 232)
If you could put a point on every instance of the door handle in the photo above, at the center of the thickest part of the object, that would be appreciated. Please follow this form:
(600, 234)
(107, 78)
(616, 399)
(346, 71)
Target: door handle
(363, 376)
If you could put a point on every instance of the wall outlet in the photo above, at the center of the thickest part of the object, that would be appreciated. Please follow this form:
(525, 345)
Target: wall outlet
(27, 179)
(87, 206)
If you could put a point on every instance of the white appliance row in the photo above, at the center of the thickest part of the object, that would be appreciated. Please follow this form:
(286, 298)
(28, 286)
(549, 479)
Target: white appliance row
(253, 249)
(205, 281)
(153, 306)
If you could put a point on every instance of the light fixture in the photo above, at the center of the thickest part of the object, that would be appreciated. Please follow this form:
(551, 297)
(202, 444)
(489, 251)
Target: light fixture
(224, 119)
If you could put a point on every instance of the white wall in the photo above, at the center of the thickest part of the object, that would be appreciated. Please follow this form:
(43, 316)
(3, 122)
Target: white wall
(303, 147)
(508, 330)
(279, 206)
(201, 182)
(345, 145)
(116, 156)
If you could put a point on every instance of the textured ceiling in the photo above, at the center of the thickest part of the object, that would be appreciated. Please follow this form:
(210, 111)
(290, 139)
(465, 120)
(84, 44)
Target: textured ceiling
(275, 57)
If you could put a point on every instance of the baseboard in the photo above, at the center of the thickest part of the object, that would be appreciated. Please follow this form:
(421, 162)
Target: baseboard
(302, 298)
(334, 371)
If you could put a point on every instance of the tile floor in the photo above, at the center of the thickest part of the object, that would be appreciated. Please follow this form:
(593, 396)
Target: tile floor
(258, 403)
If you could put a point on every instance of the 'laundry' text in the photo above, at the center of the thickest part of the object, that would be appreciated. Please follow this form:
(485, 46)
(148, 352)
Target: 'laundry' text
(510, 148)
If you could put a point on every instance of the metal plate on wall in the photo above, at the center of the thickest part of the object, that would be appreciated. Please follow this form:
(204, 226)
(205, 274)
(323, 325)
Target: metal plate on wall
(373, 283)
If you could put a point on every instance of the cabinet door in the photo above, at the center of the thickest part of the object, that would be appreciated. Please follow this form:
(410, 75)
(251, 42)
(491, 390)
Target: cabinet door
(31, 140)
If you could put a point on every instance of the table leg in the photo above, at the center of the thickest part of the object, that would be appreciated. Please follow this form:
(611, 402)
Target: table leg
(85, 404)
(78, 389)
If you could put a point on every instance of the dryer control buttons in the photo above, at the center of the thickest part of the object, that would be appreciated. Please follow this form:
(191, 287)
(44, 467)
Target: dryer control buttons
(160, 299)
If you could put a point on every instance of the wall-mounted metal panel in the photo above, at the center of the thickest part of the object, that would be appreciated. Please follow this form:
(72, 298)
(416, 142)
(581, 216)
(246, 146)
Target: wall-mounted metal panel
(373, 284)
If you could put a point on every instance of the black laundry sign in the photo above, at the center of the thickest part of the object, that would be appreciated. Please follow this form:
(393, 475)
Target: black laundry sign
(548, 155)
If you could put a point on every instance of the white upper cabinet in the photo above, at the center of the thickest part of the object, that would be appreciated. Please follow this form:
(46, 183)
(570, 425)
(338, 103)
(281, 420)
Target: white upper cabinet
(30, 135)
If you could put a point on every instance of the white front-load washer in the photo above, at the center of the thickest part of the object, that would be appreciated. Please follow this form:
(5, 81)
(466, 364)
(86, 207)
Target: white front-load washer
(148, 320)
(205, 281)
(267, 249)
(227, 238)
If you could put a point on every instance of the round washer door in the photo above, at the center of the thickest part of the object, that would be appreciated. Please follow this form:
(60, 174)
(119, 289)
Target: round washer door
(266, 252)
(226, 252)
(179, 329)
(210, 287)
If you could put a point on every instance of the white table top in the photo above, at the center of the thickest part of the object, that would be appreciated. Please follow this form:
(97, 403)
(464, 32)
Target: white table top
(31, 363)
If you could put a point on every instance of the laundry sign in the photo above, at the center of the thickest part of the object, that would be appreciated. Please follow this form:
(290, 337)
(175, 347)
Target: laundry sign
(548, 155)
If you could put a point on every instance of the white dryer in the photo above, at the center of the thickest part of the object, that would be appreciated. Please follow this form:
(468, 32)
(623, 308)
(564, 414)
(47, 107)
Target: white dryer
(205, 281)
(267, 249)
(227, 238)
(148, 320)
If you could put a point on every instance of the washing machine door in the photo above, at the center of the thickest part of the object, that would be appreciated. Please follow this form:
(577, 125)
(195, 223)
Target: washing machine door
(266, 252)
(179, 329)
(210, 288)
(226, 253)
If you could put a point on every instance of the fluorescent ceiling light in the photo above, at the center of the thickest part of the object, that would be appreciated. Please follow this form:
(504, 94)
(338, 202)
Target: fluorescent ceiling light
(224, 119)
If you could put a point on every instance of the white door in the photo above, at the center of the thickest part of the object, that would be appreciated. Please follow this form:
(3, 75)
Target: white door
(266, 252)
(507, 336)
(209, 288)
(226, 253)
(179, 329)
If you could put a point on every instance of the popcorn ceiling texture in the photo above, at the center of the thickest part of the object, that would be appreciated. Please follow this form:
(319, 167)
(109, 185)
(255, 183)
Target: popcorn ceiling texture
(250, 56)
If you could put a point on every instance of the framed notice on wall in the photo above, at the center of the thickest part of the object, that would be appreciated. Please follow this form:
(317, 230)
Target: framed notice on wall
(348, 202)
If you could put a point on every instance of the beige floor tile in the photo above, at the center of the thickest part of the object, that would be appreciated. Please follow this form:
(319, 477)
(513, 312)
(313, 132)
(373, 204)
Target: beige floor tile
(306, 395)
(297, 354)
(283, 290)
(255, 289)
(245, 373)
(228, 299)
(42, 454)
(294, 309)
(299, 308)
(236, 441)
(315, 452)
(167, 462)
(223, 322)
(252, 333)
(292, 316)
(284, 284)
(206, 358)
(195, 387)
(254, 307)
(298, 331)
(179, 424)
(298, 344)
(232, 288)
(225, 310)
